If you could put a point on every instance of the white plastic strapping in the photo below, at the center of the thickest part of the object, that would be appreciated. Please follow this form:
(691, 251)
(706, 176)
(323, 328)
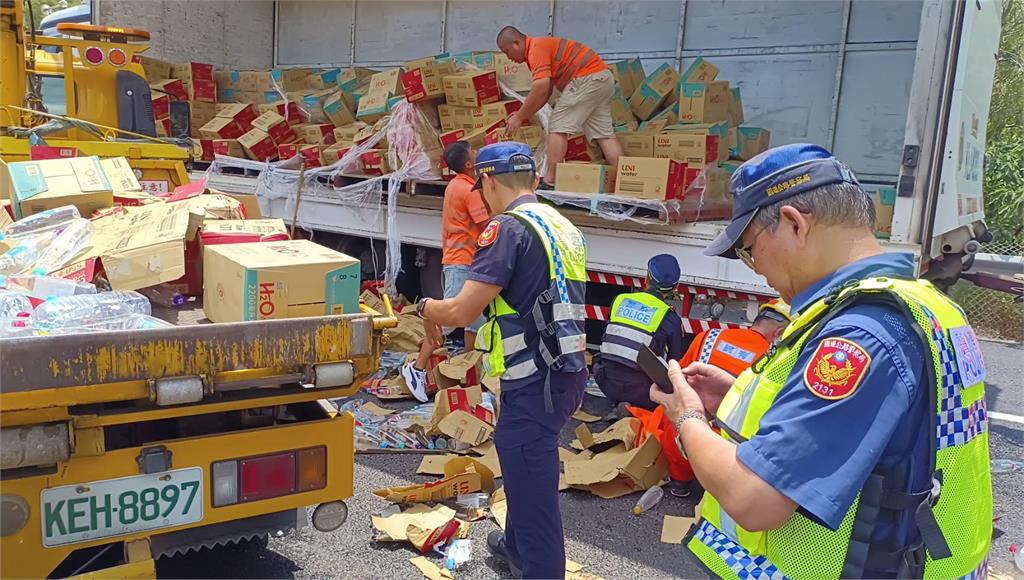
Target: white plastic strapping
(280, 180)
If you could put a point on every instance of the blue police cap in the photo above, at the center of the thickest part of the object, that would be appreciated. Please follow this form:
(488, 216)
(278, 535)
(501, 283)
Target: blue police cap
(503, 157)
(664, 271)
(771, 177)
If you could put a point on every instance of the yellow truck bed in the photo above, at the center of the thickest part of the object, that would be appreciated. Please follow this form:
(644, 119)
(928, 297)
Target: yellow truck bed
(140, 421)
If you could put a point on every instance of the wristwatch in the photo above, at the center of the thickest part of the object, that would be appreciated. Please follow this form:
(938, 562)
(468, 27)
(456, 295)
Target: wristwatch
(686, 416)
(420, 306)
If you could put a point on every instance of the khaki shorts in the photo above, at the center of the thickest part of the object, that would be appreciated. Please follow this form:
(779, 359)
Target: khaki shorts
(585, 107)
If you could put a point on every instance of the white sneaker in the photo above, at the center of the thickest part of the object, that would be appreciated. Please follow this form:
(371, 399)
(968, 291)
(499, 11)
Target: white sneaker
(416, 380)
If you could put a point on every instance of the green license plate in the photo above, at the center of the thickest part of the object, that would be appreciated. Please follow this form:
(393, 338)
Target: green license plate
(113, 507)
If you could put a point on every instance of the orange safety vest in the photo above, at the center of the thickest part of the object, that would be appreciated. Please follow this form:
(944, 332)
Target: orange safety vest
(731, 349)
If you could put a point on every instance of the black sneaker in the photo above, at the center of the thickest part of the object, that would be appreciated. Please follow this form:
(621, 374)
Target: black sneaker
(545, 186)
(680, 488)
(496, 544)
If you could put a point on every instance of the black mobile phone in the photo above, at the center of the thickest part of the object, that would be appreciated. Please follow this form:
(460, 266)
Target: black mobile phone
(655, 367)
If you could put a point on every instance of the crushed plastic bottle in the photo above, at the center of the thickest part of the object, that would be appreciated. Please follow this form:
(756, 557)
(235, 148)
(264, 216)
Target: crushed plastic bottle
(20, 258)
(89, 309)
(164, 295)
(473, 500)
(14, 304)
(1006, 466)
(1018, 557)
(43, 287)
(649, 499)
(457, 553)
(68, 244)
(42, 222)
(128, 322)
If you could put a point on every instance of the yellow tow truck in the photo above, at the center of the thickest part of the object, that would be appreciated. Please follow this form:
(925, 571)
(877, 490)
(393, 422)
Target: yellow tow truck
(122, 447)
(106, 98)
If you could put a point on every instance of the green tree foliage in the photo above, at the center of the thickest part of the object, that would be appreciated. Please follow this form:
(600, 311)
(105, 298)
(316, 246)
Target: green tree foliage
(1004, 154)
(34, 9)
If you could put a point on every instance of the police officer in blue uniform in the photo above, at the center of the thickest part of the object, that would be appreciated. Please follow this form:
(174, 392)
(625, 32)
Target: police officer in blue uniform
(855, 412)
(529, 270)
(615, 369)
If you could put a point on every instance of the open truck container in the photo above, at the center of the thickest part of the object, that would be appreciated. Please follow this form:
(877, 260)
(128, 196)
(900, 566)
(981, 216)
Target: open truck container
(898, 89)
(121, 447)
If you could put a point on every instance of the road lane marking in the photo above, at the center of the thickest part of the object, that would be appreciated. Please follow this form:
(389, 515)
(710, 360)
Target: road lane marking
(1006, 417)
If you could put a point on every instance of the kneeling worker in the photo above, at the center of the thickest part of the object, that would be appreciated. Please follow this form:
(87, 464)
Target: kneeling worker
(735, 349)
(635, 319)
(463, 217)
(530, 267)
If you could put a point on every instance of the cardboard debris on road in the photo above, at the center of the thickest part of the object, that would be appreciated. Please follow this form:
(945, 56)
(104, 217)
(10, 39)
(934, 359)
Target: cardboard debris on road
(499, 507)
(394, 528)
(585, 417)
(430, 570)
(407, 336)
(620, 469)
(377, 410)
(462, 475)
(674, 528)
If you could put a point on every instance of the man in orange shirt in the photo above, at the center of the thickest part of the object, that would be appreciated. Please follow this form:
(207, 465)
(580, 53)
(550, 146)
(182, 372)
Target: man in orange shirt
(585, 104)
(463, 218)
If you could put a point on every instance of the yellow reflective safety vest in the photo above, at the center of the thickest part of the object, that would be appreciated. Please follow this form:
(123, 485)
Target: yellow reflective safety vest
(550, 335)
(954, 517)
(634, 319)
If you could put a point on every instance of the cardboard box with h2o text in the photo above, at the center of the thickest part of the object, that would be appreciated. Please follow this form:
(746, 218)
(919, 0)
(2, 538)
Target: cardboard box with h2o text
(700, 71)
(426, 81)
(85, 182)
(288, 279)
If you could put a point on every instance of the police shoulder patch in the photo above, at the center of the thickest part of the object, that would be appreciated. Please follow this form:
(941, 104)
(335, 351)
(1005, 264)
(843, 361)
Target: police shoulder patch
(836, 368)
(489, 234)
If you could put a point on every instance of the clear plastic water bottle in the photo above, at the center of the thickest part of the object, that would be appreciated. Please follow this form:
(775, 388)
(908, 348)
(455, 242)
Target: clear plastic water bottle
(47, 221)
(68, 244)
(85, 310)
(14, 304)
(43, 287)
(21, 257)
(1018, 557)
(1007, 466)
(164, 295)
(649, 499)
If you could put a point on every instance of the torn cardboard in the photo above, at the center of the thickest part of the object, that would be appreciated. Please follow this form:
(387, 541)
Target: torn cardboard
(462, 475)
(619, 471)
(394, 528)
(499, 507)
(675, 528)
(430, 570)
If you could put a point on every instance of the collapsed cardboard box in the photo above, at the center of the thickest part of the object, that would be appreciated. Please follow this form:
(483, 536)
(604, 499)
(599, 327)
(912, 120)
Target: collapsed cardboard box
(462, 476)
(286, 279)
(585, 178)
(623, 468)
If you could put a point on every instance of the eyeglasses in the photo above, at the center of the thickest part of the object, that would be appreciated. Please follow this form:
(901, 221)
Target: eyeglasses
(744, 253)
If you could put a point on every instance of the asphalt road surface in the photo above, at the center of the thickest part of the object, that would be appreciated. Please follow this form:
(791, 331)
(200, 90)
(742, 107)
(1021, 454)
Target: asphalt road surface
(603, 535)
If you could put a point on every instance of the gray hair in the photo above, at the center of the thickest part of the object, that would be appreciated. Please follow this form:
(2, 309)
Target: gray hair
(837, 204)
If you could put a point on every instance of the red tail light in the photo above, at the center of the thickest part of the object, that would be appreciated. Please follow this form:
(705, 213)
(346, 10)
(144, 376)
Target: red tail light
(268, 476)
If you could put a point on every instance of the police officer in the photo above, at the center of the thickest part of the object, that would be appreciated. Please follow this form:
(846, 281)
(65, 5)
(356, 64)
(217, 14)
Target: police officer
(735, 349)
(638, 319)
(857, 446)
(530, 271)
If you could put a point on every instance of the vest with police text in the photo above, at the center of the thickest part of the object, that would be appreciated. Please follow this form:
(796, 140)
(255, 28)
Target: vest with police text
(634, 319)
